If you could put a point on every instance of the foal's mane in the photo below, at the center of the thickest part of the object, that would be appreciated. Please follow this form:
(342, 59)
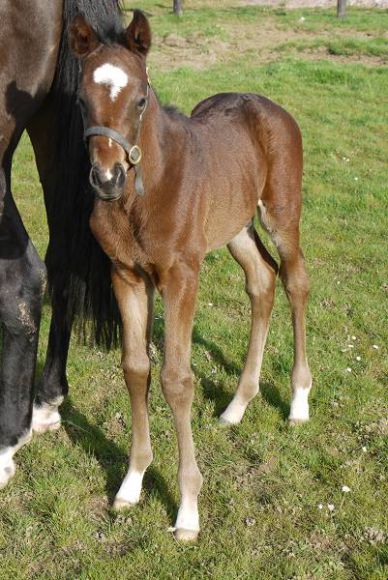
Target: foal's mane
(109, 28)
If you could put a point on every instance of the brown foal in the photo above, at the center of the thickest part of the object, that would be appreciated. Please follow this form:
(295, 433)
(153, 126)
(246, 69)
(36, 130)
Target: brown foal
(169, 189)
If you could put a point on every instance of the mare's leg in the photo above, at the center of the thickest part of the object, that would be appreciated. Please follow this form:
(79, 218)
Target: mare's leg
(22, 283)
(260, 275)
(281, 219)
(179, 291)
(135, 299)
(52, 386)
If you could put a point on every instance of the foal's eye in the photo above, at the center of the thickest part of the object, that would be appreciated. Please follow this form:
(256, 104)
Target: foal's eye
(141, 103)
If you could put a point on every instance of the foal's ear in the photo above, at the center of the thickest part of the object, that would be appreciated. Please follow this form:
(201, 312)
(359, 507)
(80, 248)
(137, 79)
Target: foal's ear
(82, 38)
(138, 34)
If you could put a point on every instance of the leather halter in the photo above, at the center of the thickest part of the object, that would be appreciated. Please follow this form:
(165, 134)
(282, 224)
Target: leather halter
(134, 153)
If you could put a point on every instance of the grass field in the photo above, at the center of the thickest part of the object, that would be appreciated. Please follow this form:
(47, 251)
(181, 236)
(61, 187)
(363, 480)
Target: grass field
(272, 504)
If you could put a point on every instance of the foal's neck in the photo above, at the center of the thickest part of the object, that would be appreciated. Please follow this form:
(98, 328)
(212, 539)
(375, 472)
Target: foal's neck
(161, 142)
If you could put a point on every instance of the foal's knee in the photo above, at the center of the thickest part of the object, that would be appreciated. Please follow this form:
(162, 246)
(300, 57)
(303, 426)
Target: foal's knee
(177, 386)
(136, 367)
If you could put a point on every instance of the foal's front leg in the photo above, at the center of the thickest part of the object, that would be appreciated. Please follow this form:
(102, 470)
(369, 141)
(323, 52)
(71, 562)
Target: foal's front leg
(135, 296)
(179, 293)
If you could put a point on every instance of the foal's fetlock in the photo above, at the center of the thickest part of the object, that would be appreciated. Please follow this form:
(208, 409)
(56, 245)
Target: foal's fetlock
(301, 387)
(130, 490)
(45, 416)
(234, 412)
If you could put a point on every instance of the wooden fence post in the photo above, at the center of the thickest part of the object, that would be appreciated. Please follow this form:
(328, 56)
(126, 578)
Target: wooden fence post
(178, 7)
(341, 8)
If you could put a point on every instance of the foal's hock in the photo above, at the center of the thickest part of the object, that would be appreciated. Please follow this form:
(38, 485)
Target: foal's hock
(169, 189)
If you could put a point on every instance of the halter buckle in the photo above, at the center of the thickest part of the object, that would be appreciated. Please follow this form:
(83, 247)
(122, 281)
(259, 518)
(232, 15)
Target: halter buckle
(135, 155)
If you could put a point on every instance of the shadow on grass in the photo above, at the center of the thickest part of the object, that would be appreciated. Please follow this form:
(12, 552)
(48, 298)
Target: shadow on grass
(272, 396)
(214, 391)
(111, 458)
(221, 398)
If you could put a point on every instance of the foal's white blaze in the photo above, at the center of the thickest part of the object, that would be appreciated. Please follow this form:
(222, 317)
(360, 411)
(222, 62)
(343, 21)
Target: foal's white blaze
(130, 490)
(108, 175)
(112, 76)
(300, 405)
(46, 417)
(7, 464)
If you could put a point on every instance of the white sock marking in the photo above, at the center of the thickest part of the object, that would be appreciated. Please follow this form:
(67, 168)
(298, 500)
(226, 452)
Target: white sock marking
(7, 464)
(112, 76)
(188, 518)
(300, 405)
(234, 412)
(47, 416)
(130, 489)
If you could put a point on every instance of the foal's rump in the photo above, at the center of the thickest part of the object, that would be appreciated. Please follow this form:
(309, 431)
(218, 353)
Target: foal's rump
(253, 151)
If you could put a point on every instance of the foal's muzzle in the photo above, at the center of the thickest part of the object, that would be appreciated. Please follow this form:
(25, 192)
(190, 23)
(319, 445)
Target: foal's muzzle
(109, 185)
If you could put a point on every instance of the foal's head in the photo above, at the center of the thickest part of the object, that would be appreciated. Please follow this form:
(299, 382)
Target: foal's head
(113, 95)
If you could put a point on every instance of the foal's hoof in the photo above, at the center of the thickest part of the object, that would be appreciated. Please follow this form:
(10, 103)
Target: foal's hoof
(121, 504)
(7, 470)
(45, 418)
(183, 535)
(296, 422)
(226, 422)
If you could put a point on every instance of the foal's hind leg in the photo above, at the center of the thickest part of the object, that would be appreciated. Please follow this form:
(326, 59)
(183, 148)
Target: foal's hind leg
(260, 274)
(285, 233)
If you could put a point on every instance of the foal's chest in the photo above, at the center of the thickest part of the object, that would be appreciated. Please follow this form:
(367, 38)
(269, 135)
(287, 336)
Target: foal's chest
(122, 235)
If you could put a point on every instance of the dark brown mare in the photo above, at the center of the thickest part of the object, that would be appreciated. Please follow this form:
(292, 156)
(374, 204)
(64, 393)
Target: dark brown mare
(196, 188)
(38, 85)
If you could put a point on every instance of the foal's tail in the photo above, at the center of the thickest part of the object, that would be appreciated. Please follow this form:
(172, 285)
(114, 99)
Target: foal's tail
(78, 270)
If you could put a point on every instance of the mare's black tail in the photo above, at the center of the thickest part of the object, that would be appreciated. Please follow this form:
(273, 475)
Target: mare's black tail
(78, 270)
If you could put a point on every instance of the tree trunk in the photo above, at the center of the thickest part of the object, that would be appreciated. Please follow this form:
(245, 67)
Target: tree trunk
(178, 7)
(341, 8)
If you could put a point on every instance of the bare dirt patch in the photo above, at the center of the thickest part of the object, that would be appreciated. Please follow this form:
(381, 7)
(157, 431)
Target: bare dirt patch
(315, 3)
(198, 52)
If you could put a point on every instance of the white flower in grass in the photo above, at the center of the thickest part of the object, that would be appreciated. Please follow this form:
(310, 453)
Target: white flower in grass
(330, 507)
(375, 346)
(320, 506)
(345, 489)
(348, 370)
(358, 358)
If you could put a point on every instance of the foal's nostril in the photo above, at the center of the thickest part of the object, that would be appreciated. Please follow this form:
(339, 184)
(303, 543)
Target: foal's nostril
(109, 184)
(119, 175)
(95, 177)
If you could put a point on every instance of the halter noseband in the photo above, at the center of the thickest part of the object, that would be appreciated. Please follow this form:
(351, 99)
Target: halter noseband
(134, 153)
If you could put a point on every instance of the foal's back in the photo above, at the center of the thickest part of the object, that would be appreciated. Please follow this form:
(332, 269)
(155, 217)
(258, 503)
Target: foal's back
(245, 139)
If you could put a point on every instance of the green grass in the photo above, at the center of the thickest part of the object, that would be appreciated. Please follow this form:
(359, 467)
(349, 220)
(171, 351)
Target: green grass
(264, 482)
